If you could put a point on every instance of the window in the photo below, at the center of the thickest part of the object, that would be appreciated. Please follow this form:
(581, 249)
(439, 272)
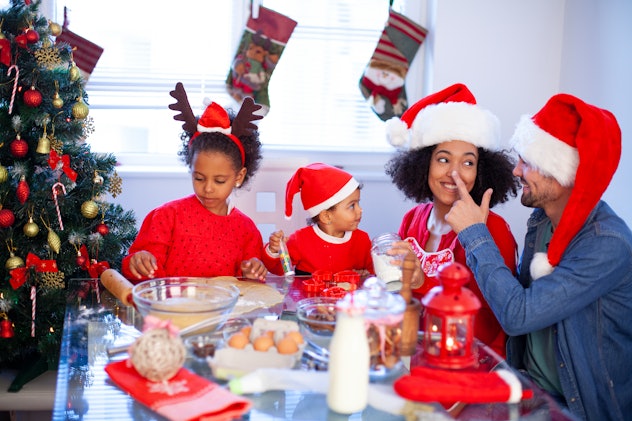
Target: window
(315, 101)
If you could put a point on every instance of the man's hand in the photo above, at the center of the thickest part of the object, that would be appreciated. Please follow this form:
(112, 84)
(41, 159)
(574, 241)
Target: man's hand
(465, 212)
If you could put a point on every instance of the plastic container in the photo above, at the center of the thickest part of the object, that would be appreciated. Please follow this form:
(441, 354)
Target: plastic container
(384, 316)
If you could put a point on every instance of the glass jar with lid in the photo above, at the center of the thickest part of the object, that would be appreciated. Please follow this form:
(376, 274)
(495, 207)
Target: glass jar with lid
(384, 315)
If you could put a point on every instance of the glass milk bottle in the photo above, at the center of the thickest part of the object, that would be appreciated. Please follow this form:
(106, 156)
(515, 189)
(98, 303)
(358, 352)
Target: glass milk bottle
(348, 358)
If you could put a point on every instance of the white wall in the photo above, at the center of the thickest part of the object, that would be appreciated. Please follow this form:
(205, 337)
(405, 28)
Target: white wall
(513, 55)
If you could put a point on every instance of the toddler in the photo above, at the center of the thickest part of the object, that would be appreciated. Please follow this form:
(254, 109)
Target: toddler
(332, 240)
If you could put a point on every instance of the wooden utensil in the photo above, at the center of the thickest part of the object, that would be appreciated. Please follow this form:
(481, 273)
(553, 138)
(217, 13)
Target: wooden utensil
(118, 285)
(410, 324)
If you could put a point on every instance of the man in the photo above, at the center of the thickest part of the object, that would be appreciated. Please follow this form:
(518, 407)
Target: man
(569, 313)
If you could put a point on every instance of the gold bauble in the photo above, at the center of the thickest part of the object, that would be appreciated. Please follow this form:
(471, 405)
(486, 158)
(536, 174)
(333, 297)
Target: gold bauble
(80, 110)
(89, 209)
(74, 74)
(31, 229)
(57, 101)
(55, 29)
(4, 174)
(14, 262)
(53, 241)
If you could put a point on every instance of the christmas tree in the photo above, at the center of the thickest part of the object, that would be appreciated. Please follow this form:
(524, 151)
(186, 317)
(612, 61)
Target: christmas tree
(55, 221)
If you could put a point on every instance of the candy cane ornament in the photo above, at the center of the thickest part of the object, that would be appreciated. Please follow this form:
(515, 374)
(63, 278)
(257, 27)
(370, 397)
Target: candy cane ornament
(63, 189)
(33, 299)
(15, 84)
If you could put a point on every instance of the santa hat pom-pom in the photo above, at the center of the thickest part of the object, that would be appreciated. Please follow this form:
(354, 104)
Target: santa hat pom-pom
(397, 132)
(540, 266)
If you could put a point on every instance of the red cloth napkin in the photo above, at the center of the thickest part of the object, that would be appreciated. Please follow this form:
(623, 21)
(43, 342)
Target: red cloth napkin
(186, 396)
(426, 384)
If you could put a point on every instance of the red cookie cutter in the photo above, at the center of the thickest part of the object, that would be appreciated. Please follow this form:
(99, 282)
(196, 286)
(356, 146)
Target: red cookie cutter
(349, 276)
(334, 292)
(313, 285)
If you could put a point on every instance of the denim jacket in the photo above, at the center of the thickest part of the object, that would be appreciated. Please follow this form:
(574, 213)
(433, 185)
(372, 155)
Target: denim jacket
(587, 298)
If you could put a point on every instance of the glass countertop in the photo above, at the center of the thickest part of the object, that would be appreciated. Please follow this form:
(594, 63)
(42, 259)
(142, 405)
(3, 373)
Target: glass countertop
(96, 321)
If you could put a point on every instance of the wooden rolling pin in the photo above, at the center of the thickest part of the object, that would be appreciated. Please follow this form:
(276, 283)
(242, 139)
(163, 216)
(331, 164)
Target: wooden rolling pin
(410, 325)
(118, 285)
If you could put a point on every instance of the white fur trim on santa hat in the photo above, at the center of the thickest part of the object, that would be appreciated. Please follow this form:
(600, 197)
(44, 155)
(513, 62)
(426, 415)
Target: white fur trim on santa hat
(550, 155)
(515, 387)
(338, 197)
(448, 121)
(397, 132)
(540, 266)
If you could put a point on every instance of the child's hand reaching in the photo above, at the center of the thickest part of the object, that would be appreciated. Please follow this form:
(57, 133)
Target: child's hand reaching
(143, 264)
(254, 269)
(274, 245)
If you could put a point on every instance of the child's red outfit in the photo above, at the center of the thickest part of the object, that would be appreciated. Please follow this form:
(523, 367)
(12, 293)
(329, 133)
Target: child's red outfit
(188, 240)
(415, 223)
(311, 249)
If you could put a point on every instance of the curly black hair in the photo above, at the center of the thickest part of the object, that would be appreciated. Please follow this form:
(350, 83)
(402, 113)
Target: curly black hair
(219, 142)
(409, 171)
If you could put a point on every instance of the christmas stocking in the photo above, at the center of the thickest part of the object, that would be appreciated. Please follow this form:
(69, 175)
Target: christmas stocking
(382, 83)
(259, 51)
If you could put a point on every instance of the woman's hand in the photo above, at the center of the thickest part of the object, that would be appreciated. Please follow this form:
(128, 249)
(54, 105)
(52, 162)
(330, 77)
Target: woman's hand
(143, 264)
(254, 269)
(403, 255)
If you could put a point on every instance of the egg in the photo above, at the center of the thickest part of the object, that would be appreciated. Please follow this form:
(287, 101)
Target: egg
(263, 343)
(238, 340)
(296, 335)
(287, 345)
(246, 330)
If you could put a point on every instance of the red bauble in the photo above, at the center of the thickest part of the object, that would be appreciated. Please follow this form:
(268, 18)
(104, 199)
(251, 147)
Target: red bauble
(7, 218)
(32, 36)
(6, 329)
(33, 97)
(21, 40)
(81, 260)
(19, 148)
(103, 229)
(23, 191)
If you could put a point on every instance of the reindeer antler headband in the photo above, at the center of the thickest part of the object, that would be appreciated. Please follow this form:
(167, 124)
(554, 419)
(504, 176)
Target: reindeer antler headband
(215, 118)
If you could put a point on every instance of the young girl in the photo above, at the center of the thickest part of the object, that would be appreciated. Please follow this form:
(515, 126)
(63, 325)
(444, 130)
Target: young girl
(332, 241)
(450, 132)
(204, 234)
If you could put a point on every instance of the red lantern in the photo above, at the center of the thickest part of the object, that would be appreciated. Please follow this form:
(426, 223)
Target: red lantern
(33, 97)
(7, 218)
(18, 147)
(449, 320)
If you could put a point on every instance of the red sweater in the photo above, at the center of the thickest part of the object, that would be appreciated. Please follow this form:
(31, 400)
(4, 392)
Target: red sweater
(415, 224)
(311, 249)
(188, 240)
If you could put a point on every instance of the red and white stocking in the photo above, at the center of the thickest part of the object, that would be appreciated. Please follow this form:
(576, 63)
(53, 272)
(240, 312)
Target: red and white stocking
(382, 82)
(259, 51)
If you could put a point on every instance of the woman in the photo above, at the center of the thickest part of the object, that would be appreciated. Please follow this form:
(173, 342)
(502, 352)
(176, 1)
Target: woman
(449, 132)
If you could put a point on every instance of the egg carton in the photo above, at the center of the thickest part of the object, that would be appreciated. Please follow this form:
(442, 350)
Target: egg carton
(228, 363)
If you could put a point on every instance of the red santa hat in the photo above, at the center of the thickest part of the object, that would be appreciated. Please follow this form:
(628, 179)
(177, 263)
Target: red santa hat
(450, 114)
(579, 145)
(321, 186)
(216, 119)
